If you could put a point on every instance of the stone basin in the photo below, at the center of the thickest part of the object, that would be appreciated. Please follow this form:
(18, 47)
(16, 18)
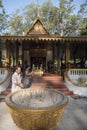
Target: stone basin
(36, 108)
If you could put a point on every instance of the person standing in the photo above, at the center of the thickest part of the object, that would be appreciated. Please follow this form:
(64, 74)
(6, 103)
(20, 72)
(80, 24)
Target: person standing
(82, 62)
(85, 63)
(16, 80)
(27, 80)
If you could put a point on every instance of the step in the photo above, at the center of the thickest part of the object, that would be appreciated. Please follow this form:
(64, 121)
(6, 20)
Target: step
(52, 78)
(57, 86)
(68, 92)
(48, 81)
(5, 93)
(62, 89)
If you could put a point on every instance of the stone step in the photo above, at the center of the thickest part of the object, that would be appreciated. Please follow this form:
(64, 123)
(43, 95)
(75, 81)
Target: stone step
(46, 81)
(56, 79)
(56, 86)
(62, 89)
(68, 92)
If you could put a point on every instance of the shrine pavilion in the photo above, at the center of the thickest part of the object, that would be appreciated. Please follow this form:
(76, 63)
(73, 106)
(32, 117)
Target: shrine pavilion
(38, 47)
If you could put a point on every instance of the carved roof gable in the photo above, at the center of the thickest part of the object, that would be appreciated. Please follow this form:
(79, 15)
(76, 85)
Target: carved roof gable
(37, 28)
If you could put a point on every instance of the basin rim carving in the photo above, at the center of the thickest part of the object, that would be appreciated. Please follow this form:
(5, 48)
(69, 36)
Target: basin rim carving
(42, 118)
(11, 104)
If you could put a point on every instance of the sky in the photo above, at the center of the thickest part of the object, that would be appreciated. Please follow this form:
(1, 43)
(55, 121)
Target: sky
(12, 5)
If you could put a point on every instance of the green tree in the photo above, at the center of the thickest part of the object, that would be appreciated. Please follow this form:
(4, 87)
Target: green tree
(48, 14)
(20, 20)
(84, 32)
(29, 15)
(67, 21)
(60, 20)
(3, 18)
(83, 21)
(83, 9)
(15, 23)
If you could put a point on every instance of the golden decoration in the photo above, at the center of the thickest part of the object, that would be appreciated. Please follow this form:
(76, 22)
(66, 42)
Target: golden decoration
(36, 118)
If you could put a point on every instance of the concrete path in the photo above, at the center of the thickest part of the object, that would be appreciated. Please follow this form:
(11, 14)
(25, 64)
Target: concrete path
(74, 117)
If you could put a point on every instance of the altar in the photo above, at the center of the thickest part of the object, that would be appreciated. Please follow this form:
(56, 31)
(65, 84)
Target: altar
(38, 72)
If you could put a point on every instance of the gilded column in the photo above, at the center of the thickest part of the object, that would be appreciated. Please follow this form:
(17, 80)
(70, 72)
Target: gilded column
(67, 55)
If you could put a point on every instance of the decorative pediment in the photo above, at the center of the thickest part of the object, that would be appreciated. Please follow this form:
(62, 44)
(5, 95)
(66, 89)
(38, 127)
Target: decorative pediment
(37, 28)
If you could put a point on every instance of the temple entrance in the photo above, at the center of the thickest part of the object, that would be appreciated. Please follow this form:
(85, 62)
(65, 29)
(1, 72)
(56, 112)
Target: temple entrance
(38, 58)
(38, 62)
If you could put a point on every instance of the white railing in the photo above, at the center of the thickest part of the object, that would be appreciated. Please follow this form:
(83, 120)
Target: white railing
(5, 76)
(77, 72)
(76, 81)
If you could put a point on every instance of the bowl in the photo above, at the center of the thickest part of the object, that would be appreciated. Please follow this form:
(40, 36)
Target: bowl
(36, 108)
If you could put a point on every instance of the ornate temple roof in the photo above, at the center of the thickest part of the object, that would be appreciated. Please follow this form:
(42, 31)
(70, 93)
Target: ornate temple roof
(38, 28)
(38, 32)
(45, 38)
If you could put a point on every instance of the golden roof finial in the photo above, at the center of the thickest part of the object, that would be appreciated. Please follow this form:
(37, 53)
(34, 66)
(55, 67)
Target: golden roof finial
(38, 11)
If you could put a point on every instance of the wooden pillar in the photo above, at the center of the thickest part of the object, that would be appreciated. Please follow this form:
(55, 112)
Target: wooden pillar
(16, 58)
(22, 54)
(58, 58)
(14, 53)
(7, 60)
(17, 52)
(0, 58)
(7, 49)
(53, 52)
(86, 52)
(67, 55)
(53, 57)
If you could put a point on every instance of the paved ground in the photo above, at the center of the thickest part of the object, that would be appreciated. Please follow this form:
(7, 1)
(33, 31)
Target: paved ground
(74, 117)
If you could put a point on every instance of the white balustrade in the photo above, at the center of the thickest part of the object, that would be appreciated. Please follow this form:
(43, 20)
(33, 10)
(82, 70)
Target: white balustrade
(5, 75)
(76, 81)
